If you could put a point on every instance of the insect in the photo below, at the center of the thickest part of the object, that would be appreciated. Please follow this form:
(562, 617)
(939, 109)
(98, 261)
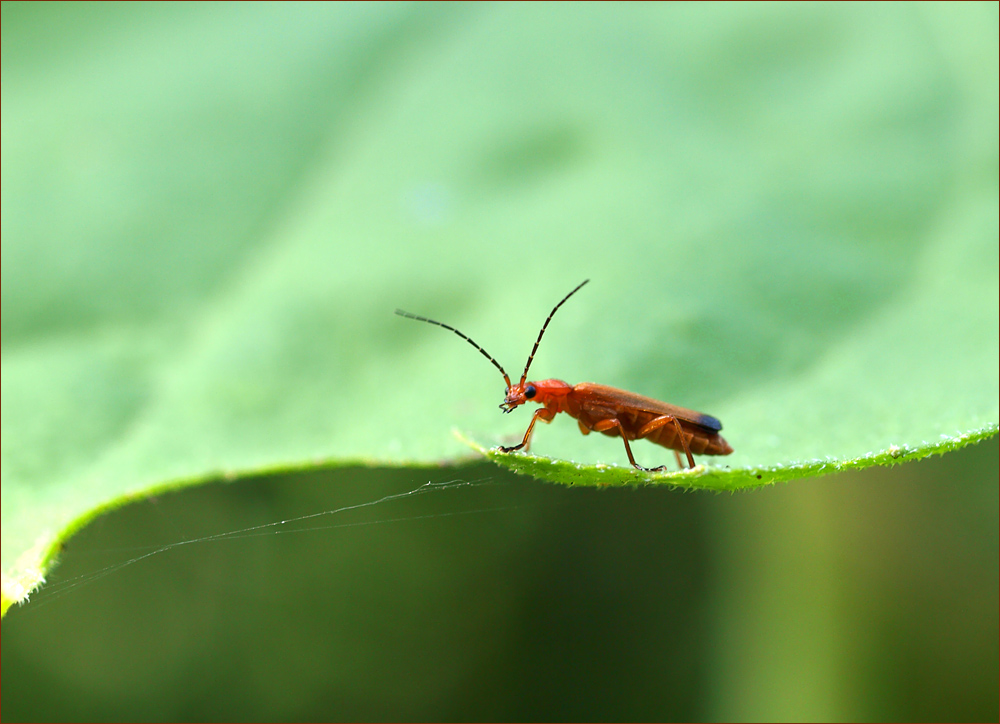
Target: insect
(600, 408)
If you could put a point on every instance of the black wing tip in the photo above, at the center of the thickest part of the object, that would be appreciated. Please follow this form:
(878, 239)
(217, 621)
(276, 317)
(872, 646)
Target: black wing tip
(712, 423)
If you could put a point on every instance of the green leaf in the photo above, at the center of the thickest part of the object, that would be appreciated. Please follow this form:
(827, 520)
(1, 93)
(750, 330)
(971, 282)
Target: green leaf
(711, 477)
(789, 214)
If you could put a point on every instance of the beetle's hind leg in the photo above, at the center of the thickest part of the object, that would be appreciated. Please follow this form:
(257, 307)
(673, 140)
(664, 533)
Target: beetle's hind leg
(662, 421)
(612, 422)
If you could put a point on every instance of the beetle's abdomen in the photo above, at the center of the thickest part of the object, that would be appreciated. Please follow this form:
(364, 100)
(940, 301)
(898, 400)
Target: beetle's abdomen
(700, 440)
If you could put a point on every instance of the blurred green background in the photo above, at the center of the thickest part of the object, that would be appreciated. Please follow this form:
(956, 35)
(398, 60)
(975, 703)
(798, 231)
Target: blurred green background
(209, 211)
(860, 596)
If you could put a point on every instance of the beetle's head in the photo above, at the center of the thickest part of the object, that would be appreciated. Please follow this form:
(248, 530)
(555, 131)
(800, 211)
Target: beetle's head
(517, 395)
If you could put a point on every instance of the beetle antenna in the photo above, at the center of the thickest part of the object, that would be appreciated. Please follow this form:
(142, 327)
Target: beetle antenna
(549, 319)
(468, 339)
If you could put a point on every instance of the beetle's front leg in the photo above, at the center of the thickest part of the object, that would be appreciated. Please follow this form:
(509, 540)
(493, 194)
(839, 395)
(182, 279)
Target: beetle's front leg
(543, 413)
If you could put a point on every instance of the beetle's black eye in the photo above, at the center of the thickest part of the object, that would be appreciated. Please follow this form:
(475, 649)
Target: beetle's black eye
(529, 391)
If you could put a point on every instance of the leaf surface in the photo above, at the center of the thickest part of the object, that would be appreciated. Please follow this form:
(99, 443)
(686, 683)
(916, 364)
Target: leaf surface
(789, 215)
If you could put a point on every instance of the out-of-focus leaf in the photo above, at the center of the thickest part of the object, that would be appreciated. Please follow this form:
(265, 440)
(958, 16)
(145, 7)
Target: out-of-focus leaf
(789, 214)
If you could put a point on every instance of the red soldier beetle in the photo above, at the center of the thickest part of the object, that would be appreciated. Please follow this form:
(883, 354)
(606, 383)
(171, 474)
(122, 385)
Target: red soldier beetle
(604, 409)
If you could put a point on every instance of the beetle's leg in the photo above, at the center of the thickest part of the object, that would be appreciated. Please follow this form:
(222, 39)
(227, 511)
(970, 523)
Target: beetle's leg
(543, 413)
(583, 428)
(658, 422)
(611, 422)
